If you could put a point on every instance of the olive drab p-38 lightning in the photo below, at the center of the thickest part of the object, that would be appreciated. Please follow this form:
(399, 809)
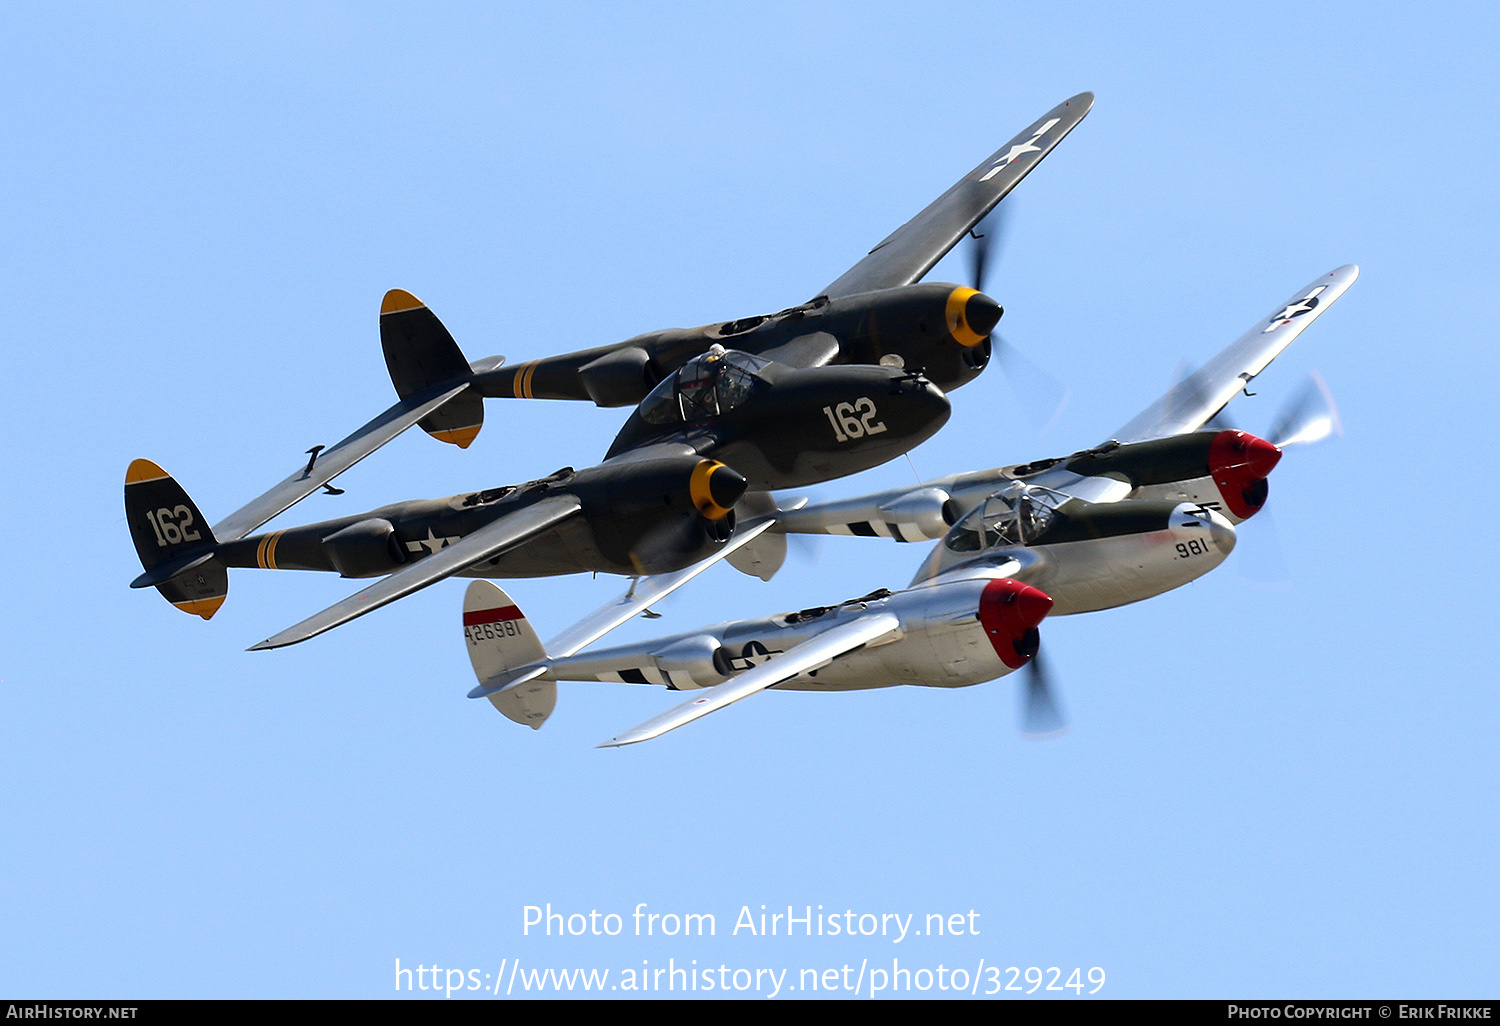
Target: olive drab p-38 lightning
(662, 500)
(806, 395)
(877, 310)
(1149, 510)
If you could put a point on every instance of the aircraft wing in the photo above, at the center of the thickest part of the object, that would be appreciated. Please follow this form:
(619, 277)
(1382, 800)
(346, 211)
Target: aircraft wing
(493, 539)
(910, 251)
(1194, 400)
(332, 462)
(817, 651)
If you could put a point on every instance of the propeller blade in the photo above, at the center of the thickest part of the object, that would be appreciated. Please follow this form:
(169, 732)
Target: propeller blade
(808, 546)
(662, 546)
(1264, 559)
(1309, 416)
(1041, 717)
(989, 239)
(1041, 395)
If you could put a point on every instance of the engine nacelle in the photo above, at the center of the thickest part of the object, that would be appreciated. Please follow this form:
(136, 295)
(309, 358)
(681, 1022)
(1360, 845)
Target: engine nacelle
(692, 663)
(1010, 611)
(368, 548)
(657, 516)
(927, 512)
(620, 378)
(1222, 470)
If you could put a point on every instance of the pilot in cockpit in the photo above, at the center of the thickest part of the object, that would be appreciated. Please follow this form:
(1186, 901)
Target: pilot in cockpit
(704, 388)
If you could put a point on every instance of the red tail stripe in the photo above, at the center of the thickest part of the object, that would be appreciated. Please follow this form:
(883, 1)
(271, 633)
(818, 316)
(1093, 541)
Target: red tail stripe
(479, 616)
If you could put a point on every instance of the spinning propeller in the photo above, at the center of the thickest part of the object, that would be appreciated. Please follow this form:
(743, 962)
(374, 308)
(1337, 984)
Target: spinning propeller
(1041, 716)
(1040, 394)
(1308, 415)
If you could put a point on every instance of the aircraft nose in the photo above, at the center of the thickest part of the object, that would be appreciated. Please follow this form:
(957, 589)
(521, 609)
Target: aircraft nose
(982, 313)
(927, 405)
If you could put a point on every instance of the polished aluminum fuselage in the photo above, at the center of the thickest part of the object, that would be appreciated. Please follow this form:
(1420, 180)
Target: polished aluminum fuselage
(940, 643)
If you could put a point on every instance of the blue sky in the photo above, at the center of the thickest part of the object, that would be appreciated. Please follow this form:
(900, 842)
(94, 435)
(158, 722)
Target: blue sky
(1268, 791)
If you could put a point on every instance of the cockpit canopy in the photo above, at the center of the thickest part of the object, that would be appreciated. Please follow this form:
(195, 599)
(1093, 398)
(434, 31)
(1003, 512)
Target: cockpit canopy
(1016, 515)
(705, 387)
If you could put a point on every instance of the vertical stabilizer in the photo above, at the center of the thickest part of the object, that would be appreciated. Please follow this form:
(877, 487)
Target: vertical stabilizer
(499, 639)
(421, 355)
(174, 542)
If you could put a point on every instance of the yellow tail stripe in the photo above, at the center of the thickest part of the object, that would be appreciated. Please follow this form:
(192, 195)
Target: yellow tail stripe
(141, 471)
(205, 608)
(460, 437)
(399, 301)
(265, 552)
(521, 386)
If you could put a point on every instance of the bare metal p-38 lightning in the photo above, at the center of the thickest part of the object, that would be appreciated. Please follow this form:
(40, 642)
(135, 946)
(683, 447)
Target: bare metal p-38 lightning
(1150, 509)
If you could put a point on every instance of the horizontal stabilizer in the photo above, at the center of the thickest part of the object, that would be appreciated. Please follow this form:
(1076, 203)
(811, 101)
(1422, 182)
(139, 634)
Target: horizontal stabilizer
(329, 463)
(506, 680)
(490, 541)
(164, 572)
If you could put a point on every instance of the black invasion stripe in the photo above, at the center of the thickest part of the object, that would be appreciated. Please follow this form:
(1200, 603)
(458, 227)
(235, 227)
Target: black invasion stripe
(863, 529)
(633, 677)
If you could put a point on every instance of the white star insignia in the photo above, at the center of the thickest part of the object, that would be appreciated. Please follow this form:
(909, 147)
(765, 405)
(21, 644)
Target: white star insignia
(1296, 309)
(1029, 146)
(431, 543)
